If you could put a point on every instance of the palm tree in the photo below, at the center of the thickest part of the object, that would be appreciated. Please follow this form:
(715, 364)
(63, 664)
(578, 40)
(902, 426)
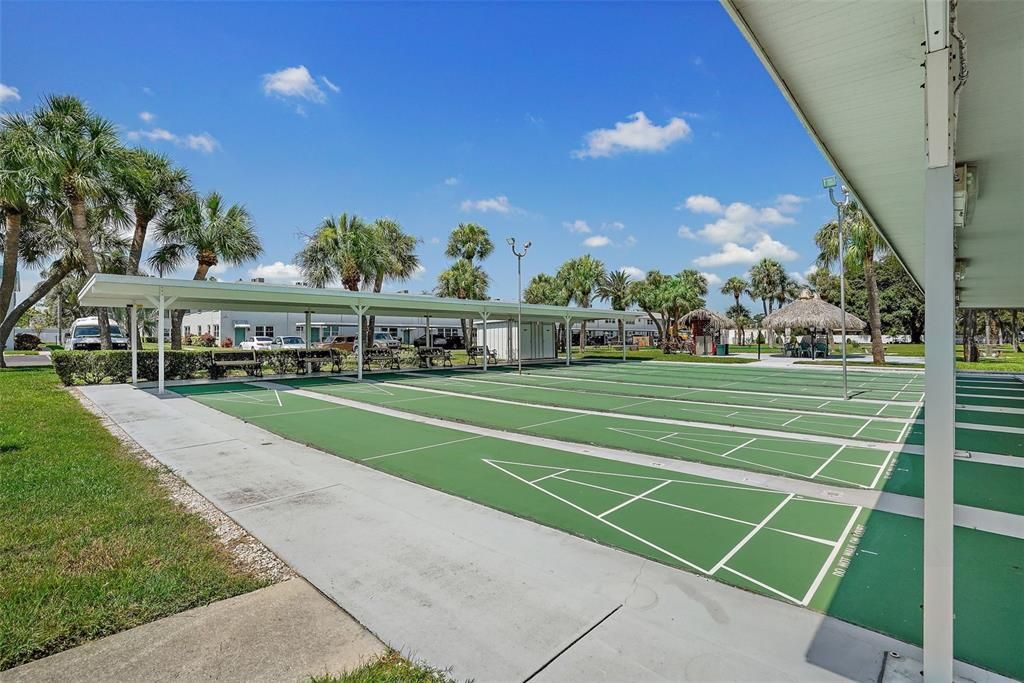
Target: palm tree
(399, 261)
(78, 151)
(767, 278)
(616, 288)
(580, 278)
(150, 184)
(646, 294)
(697, 281)
(863, 244)
(787, 289)
(205, 229)
(740, 314)
(21, 197)
(470, 243)
(463, 280)
(544, 289)
(735, 286)
(341, 249)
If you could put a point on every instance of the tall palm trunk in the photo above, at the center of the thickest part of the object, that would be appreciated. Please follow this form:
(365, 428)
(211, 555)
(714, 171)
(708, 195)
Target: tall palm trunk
(58, 271)
(970, 328)
(205, 262)
(11, 240)
(1015, 330)
(371, 320)
(80, 228)
(134, 258)
(874, 313)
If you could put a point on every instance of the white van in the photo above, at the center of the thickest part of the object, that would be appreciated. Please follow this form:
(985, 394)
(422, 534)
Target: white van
(85, 335)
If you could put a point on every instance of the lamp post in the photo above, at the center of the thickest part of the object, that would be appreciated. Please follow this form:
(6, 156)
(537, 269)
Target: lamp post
(519, 294)
(829, 183)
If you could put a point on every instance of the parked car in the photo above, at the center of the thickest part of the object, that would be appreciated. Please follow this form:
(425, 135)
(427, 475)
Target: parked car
(439, 341)
(339, 343)
(257, 344)
(384, 340)
(289, 343)
(85, 335)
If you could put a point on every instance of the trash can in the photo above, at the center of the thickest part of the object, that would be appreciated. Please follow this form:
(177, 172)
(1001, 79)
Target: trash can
(722, 350)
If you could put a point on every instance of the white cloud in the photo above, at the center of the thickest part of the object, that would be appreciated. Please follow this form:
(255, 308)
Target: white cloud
(278, 271)
(418, 273)
(735, 254)
(633, 272)
(614, 225)
(147, 90)
(435, 240)
(293, 81)
(638, 134)
(713, 279)
(701, 203)
(789, 203)
(499, 204)
(740, 222)
(577, 225)
(534, 120)
(451, 181)
(629, 241)
(203, 142)
(596, 241)
(147, 116)
(331, 86)
(685, 232)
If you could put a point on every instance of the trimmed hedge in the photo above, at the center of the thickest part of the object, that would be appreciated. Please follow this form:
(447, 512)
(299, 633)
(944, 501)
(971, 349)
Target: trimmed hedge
(97, 367)
(26, 341)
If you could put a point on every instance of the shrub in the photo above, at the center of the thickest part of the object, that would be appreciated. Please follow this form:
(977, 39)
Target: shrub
(95, 367)
(226, 343)
(281, 361)
(26, 341)
(207, 340)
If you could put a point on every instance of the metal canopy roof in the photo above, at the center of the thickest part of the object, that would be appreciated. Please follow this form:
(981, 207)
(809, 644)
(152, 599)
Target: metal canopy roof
(852, 71)
(124, 290)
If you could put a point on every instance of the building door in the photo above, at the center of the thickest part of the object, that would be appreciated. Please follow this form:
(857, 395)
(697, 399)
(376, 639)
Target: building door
(239, 335)
(526, 353)
(547, 348)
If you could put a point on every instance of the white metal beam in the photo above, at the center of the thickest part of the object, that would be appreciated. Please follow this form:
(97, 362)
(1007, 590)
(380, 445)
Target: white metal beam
(134, 322)
(160, 308)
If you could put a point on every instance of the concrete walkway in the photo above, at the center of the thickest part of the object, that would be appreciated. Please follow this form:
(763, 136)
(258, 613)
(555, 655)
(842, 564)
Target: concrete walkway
(495, 597)
(285, 632)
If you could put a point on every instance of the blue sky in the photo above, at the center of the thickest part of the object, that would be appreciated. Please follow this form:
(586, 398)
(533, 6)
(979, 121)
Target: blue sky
(648, 135)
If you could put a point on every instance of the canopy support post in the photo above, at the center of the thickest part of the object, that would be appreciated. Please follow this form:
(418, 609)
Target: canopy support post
(309, 332)
(623, 340)
(430, 338)
(160, 345)
(359, 311)
(134, 322)
(940, 360)
(484, 317)
(568, 339)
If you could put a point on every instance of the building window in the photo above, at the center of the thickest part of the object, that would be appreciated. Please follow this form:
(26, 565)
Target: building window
(188, 330)
(265, 331)
(216, 331)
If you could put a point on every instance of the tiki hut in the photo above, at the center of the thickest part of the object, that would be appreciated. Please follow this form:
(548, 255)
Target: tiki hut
(704, 326)
(812, 313)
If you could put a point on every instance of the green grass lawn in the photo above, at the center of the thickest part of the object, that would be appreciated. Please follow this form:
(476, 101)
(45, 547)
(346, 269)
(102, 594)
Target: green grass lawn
(1008, 361)
(90, 544)
(21, 353)
(657, 354)
(389, 668)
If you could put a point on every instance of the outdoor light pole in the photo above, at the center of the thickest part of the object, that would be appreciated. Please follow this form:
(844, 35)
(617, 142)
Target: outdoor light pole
(519, 293)
(830, 184)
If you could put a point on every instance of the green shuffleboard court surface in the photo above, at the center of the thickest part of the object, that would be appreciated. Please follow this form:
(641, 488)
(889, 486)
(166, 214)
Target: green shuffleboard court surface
(983, 485)
(858, 565)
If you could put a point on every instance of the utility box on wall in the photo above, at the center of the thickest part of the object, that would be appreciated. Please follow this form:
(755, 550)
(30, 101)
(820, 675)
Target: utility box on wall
(538, 339)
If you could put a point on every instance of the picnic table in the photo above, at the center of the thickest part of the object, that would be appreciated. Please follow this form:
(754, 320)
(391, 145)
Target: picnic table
(314, 358)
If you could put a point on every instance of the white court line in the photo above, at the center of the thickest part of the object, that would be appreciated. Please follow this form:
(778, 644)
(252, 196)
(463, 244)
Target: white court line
(633, 499)
(763, 585)
(744, 522)
(421, 448)
(831, 558)
(291, 412)
(791, 420)
(541, 424)
(549, 476)
(882, 469)
(603, 521)
(746, 539)
(863, 427)
(278, 397)
(830, 459)
(884, 406)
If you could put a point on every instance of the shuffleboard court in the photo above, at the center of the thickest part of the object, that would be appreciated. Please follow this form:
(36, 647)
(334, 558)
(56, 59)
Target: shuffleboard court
(983, 485)
(752, 416)
(858, 565)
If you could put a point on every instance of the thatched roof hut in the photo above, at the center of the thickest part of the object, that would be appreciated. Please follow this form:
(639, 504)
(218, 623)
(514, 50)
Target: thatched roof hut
(709, 318)
(811, 312)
